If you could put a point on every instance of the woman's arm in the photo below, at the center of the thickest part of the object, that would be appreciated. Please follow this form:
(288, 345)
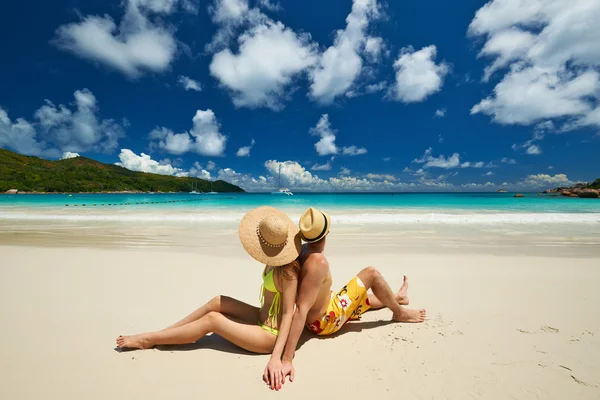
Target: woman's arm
(288, 300)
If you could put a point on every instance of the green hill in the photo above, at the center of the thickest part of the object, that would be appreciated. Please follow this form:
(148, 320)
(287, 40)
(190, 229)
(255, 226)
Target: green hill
(80, 174)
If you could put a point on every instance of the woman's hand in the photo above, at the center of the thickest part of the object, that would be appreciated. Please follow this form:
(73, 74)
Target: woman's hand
(273, 375)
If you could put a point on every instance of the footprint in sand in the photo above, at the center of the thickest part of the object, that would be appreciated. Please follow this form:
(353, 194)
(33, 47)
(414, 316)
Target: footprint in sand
(549, 329)
(524, 331)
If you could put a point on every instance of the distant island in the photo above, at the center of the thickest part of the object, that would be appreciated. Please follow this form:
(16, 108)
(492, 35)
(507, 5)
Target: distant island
(585, 190)
(19, 173)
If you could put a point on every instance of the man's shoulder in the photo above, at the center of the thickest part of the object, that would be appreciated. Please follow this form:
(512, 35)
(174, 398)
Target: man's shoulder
(316, 262)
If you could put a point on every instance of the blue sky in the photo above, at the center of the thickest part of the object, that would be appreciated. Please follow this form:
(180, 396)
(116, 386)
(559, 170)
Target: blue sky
(344, 95)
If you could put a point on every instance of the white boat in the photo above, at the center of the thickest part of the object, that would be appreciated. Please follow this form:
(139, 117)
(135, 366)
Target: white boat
(211, 190)
(194, 190)
(282, 191)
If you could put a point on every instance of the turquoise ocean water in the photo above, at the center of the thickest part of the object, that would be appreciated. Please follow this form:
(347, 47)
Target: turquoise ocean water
(359, 207)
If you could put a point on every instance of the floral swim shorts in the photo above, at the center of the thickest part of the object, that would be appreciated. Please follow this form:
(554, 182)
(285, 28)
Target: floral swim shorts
(346, 305)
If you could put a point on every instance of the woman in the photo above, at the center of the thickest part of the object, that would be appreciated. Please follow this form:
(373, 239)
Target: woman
(270, 237)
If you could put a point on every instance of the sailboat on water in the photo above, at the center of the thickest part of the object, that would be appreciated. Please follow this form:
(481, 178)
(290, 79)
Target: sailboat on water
(194, 190)
(211, 189)
(281, 190)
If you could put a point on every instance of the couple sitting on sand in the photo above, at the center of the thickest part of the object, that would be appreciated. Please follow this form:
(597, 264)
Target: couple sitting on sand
(295, 275)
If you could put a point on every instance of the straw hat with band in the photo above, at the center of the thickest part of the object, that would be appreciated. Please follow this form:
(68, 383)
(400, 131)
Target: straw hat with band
(314, 225)
(270, 236)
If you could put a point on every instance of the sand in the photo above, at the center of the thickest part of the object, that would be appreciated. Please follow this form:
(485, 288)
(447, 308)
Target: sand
(502, 324)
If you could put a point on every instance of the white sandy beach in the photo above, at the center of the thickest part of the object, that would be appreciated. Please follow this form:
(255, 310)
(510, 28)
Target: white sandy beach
(501, 324)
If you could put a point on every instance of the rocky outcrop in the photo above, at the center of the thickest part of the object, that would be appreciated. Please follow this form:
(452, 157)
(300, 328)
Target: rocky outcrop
(12, 191)
(519, 195)
(588, 193)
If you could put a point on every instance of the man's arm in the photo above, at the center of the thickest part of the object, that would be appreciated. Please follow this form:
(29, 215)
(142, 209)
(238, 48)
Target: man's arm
(316, 269)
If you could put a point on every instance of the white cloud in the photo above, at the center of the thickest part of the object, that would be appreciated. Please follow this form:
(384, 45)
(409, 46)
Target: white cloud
(144, 163)
(387, 159)
(417, 74)
(269, 5)
(341, 64)
(549, 53)
(383, 177)
(374, 47)
(139, 44)
(345, 171)
(510, 161)
(534, 150)
(204, 138)
(545, 179)
(440, 112)
(269, 57)
(321, 167)
(229, 10)
(199, 172)
(210, 165)
(353, 151)
(326, 145)
(189, 84)
(228, 15)
(293, 174)
(550, 167)
(453, 161)
(67, 154)
(76, 130)
(429, 161)
(376, 87)
(245, 151)
(489, 173)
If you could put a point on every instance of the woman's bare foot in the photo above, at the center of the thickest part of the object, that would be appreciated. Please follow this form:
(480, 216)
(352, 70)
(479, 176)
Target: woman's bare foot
(402, 295)
(140, 341)
(410, 315)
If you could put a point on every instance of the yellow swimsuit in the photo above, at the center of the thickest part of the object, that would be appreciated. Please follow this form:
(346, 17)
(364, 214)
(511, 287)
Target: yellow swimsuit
(269, 284)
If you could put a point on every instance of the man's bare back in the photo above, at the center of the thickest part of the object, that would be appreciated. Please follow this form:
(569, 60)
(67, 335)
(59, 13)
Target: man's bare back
(311, 259)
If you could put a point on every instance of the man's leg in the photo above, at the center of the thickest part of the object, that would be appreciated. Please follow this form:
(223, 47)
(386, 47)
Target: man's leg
(401, 297)
(373, 280)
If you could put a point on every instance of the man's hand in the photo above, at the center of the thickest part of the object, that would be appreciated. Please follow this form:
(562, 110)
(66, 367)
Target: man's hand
(288, 370)
(273, 375)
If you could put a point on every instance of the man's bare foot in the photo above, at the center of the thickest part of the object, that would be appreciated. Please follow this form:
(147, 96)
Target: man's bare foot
(134, 342)
(409, 315)
(402, 295)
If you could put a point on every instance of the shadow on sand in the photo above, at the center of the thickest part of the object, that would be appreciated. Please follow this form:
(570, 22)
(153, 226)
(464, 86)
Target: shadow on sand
(216, 342)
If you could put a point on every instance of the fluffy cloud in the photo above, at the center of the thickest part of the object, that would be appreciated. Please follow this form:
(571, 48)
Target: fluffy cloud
(188, 83)
(453, 161)
(269, 57)
(139, 44)
(228, 15)
(210, 165)
(440, 113)
(510, 161)
(353, 151)
(551, 54)
(321, 167)
(204, 138)
(199, 172)
(374, 48)
(384, 177)
(58, 129)
(293, 174)
(326, 145)
(144, 163)
(345, 171)
(269, 6)
(545, 180)
(245, 151)
(417, 74)
(341, 64)
(67, 154)
(534, 150)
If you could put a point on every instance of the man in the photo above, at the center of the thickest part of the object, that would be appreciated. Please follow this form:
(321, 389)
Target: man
(325, 312)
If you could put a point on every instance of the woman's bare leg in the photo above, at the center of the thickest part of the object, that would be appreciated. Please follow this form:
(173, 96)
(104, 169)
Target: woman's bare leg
(225, 305)
(249, 337)
(401, 297)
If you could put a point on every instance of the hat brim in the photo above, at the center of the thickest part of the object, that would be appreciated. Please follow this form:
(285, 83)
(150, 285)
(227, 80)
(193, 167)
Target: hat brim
(328, 220)
(272, 256)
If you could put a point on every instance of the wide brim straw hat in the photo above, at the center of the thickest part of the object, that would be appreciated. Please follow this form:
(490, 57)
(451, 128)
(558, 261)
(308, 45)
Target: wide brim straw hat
(314, 225)
(270, 236)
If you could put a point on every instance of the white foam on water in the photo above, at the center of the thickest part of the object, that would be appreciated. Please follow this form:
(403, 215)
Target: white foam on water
(463, 218)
